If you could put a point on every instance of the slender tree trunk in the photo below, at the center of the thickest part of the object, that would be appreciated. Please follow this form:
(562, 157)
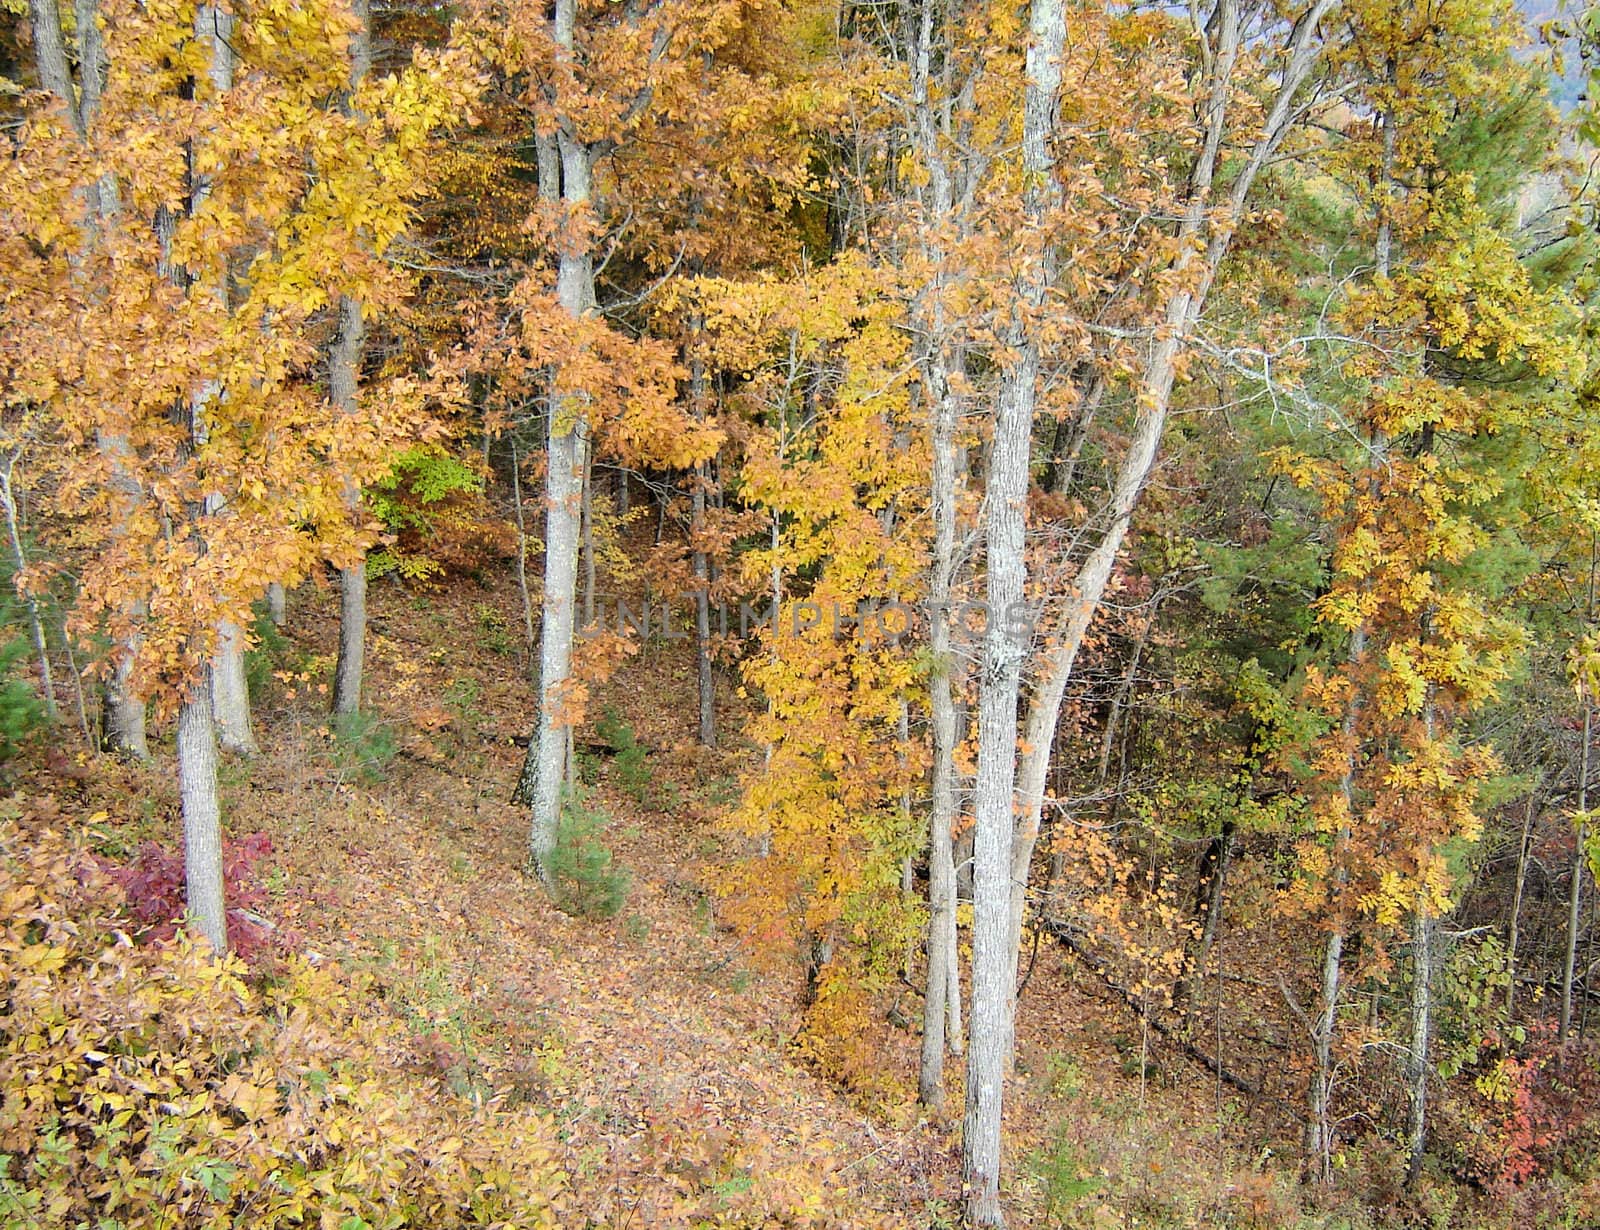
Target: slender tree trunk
(1422, 931)
(941, 1017)
(1575, 891)
(1514, 931)
(277, 604)
(19, 560)
(230, 696)
(202, 818)
(345, 357)
(530, 640)
(1319, 1130)
(587, 536)
(941, 1020)
(1070, 436)
(705, 678)
(197, 735)
(1215, 895)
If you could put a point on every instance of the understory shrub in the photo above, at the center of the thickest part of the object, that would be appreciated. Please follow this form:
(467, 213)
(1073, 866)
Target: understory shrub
(153, 1086)
(363, 746)
(587, 880)
(630, 759)
(153, 890)
(22, 712)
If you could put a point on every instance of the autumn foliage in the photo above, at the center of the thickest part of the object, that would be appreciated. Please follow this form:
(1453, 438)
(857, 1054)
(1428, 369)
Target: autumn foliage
(153, 1085)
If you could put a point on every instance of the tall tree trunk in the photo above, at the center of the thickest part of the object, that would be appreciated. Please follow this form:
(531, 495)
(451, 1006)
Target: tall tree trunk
(230, 696)
(1422, 931)
(1575, 890)
(705, 678)
(1215, 895)
(123, 727)
(277, 604)
(567, 440)
(344, 390)
(1515, 927)
(202, 818)
(344, 365)
(1005, 645)
(197, 734)
(941, 1019)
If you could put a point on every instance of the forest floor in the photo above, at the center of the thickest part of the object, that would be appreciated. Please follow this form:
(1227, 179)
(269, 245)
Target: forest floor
(662, 1047)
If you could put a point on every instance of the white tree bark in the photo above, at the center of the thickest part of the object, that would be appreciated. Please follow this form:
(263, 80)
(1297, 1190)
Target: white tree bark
(1005, 644)
(567, 445)
(230, 692)
(1422, 932)
(344, 383)
(202, 818)
(941, 1019)
(1197, 271)
(230, 696)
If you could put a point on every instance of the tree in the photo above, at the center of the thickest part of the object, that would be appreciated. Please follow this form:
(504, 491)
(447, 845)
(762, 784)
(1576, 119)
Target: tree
(174, 358)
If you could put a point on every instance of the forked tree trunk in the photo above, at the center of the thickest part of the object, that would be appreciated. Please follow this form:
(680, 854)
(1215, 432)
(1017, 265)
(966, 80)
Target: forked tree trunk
(1005, 645)
(1198, 263)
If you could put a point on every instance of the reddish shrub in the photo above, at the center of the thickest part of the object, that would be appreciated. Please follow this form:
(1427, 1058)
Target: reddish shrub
(152, 884)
